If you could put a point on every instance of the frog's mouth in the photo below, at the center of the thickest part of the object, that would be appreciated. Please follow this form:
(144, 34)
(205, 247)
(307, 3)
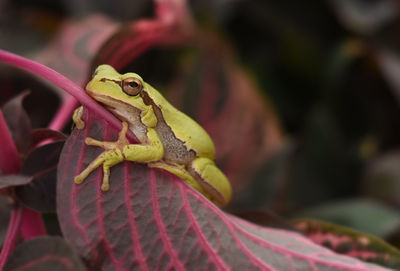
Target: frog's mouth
(122, 110)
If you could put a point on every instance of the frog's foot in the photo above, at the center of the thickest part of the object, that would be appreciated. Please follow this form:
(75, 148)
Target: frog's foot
(119, 144)
(110, 157)
(107, 159)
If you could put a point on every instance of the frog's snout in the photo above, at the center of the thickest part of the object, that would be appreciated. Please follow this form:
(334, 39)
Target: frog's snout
(95, 73)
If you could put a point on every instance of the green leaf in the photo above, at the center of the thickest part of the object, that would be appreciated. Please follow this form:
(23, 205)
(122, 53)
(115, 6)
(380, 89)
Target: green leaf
(360, 214)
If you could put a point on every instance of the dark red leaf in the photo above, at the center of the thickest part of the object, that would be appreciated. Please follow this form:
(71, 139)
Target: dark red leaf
(44, 253)
(42, 165)
(40, 134)
(349, 242)
(136, 38)
(12, 180)
(151, 220)
(18, 122)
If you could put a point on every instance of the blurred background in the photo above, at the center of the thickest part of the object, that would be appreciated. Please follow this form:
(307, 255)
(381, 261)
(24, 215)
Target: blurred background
(301, 99)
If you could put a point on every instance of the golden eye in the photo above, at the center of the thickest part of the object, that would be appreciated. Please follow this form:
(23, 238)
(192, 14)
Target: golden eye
(132, 86)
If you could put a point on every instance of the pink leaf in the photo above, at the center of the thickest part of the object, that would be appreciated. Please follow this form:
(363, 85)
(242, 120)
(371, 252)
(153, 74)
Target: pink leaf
(349, 242)
(151, 220)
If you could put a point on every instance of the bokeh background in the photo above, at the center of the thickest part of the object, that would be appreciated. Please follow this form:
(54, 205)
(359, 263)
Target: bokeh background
(301, 98)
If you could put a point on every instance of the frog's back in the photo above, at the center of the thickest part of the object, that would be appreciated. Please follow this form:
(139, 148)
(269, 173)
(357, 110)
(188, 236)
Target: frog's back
(184, 128)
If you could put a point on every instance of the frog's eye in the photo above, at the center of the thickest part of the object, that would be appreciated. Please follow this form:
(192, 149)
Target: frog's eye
(132, 86)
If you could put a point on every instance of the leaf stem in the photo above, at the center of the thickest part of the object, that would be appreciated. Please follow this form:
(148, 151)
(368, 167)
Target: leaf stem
(60, 81)
(64, 113)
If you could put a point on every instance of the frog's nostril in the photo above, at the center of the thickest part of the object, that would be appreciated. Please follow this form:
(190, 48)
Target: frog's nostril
(95, 73)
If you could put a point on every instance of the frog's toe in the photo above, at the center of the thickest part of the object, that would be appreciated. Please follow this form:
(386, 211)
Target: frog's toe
(88, 140)
(82, 176)
(78, 179)
(105, 186)
(93, 142)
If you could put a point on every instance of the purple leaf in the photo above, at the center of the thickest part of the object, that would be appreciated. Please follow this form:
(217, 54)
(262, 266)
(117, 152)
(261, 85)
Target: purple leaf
(12, 235)
(42, 165)
(151, 220)
(44, 253)
(18, 122)
(5, 213)
(12, 180)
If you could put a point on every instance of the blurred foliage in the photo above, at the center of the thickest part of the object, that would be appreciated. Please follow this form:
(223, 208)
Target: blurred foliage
(349, 242)
(329, 70)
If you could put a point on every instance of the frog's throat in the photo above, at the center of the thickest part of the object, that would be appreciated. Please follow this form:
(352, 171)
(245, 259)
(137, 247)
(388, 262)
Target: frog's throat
(121, 109)
(125, 112)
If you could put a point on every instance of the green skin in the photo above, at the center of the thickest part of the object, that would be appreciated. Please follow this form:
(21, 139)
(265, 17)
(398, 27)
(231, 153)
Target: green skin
(168, 138)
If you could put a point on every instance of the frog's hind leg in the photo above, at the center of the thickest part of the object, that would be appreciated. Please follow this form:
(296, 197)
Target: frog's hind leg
(203, 176)
(182, 173)
(212, 180)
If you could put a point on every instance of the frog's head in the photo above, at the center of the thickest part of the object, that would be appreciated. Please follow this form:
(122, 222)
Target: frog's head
(120, 93)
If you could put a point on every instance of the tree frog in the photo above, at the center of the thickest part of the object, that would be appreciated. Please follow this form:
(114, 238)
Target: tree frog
(168, 138)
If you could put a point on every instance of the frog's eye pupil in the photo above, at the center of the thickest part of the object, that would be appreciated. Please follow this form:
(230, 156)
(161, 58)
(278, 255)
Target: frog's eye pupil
(132, 86)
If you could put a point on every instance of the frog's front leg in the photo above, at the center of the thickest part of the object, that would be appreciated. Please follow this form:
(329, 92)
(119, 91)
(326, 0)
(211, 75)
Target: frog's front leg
(107, 159)
(120, 150)
(110, 157)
